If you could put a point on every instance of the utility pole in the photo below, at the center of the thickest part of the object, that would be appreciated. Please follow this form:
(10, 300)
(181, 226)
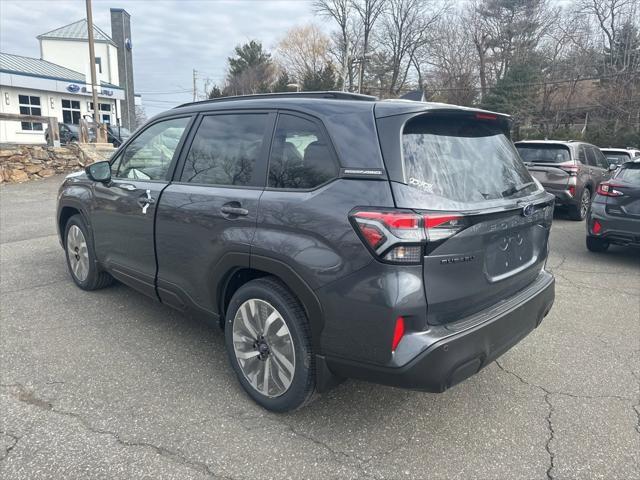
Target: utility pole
(92, 64)
(194, 84)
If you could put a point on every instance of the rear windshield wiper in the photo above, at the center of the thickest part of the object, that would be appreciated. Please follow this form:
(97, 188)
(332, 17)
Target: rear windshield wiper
(511, 190)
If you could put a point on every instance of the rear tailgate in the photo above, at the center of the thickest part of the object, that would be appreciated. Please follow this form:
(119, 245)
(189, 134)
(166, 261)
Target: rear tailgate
(545, 162)
(464, 169)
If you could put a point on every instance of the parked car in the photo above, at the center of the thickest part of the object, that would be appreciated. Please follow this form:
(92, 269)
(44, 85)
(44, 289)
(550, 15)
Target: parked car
(617, 156)
(614, 217)
(67, 132)
(571, 171)
(332, 235)
(117, 135)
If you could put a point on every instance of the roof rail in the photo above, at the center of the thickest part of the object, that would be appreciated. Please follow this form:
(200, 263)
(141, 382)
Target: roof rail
(326, 94)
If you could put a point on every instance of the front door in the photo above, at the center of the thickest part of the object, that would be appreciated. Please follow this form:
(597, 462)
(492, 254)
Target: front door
(124, 211)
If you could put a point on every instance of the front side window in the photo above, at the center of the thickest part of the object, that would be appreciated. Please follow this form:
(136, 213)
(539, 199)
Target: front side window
(592, 161)
(30, 105)
(463, 160)
(300, 155)
(149, 155)
(225, 149)
(71, 112)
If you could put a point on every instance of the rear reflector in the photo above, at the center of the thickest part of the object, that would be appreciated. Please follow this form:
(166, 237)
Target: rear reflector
(398, 333)
(572, 190)
(597, 228)
(486, 116)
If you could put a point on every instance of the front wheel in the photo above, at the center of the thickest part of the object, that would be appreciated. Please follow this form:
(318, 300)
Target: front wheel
(268, 342)
(81, 258)
(595, 244)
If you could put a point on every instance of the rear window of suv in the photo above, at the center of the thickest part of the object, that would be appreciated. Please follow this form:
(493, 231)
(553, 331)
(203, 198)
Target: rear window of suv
(629, 173)
(540, 153)
(462, 159)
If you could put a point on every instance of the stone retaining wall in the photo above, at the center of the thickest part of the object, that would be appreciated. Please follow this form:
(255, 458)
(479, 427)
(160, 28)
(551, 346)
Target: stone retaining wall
(19, 163)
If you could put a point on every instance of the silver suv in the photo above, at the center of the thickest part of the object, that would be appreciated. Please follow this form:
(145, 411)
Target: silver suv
(569, 170)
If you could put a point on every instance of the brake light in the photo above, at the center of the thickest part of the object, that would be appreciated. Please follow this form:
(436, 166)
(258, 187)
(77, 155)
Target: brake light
(608, 190)
(398, 236)
(486, 116)
(398, 333)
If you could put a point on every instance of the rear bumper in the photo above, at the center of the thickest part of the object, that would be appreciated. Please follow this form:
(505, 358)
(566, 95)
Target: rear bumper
(446, 355)
(619, 230)
(563, 197)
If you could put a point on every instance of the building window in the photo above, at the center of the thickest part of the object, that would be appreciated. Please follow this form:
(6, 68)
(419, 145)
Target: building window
(105, 111)
(30, 105)
(99, 64)
(71, 111)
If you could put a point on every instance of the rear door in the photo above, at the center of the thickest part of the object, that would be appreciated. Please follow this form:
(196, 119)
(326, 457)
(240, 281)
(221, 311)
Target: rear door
(597, 172)
(487, 220)
(124, 211)
(208, 214)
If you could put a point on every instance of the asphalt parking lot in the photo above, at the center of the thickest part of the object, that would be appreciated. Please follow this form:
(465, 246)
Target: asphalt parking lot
(113, 385)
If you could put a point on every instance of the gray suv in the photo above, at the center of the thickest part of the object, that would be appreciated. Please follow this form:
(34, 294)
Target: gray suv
(331, 235)
(571, 171)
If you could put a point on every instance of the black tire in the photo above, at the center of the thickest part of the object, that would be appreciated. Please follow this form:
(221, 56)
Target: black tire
(595, 244)
(95, 278)
(579, 212)
(301, 390)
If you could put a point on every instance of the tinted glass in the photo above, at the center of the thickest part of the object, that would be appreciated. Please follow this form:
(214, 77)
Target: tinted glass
(601, 159)
(617, 158)
(300, 155)
(630, 174)
(148, 157)
(225, 150)
(463, 160)
(537, 153)
(591, 157)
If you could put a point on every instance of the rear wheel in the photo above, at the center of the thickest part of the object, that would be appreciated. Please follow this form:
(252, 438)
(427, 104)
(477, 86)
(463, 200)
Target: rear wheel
(595, 244)
(579, 212)
(268, 341)
(81, 258)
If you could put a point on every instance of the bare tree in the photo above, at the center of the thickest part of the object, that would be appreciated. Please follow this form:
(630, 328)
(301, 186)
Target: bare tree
(341, 11)
(304, 51)
(369, 11)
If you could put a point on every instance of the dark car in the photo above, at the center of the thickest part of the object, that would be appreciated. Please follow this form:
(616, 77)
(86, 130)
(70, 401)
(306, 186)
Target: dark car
(571, 171)
(117, 135)
(614, 217)
(332, 235)
(68, 133)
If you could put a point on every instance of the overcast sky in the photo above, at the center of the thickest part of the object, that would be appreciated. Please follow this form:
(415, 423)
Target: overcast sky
(170, 37)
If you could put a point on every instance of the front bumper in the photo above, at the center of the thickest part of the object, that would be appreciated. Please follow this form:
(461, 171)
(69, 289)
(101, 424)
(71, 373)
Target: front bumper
(451, 353)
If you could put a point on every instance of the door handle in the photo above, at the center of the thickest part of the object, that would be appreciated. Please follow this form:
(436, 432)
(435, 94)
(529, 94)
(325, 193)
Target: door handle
(127, 186)
(235, 211)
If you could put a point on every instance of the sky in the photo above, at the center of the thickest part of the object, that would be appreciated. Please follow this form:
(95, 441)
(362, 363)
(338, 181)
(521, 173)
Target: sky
(170, 37)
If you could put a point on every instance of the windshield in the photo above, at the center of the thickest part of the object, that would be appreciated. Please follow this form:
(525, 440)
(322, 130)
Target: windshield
(540, 153)
(465, 160)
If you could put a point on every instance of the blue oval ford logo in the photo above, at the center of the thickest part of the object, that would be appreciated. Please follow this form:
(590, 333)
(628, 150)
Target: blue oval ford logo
(527, 210)
(73, 88)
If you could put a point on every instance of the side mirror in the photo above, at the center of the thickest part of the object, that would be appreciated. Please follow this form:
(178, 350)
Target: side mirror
(99, 172)
(613, 166)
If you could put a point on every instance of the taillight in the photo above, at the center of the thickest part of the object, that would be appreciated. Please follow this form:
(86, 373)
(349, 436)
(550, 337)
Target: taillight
(398, 236)
(572, 190)
(569, 167)
(608, 190)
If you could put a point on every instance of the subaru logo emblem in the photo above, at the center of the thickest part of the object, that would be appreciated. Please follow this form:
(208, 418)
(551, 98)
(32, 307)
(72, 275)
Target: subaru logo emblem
(73, 88)
(527, 210)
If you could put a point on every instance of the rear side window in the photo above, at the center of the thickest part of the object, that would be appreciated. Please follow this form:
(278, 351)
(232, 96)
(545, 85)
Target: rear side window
(464, 160)
(300, 155)
(540, 153)
(225, 150)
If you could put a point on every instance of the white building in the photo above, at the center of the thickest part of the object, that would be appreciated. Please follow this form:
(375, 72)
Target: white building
(58, 84)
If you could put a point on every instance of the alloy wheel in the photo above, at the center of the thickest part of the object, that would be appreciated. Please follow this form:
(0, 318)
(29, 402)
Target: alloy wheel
(263, 347)
(78, 253)
(585, 201)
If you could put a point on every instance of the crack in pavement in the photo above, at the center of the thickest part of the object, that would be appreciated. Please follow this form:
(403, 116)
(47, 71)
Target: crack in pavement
(34, 287)
(15, 439)
(547, 398)
(27, 396)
